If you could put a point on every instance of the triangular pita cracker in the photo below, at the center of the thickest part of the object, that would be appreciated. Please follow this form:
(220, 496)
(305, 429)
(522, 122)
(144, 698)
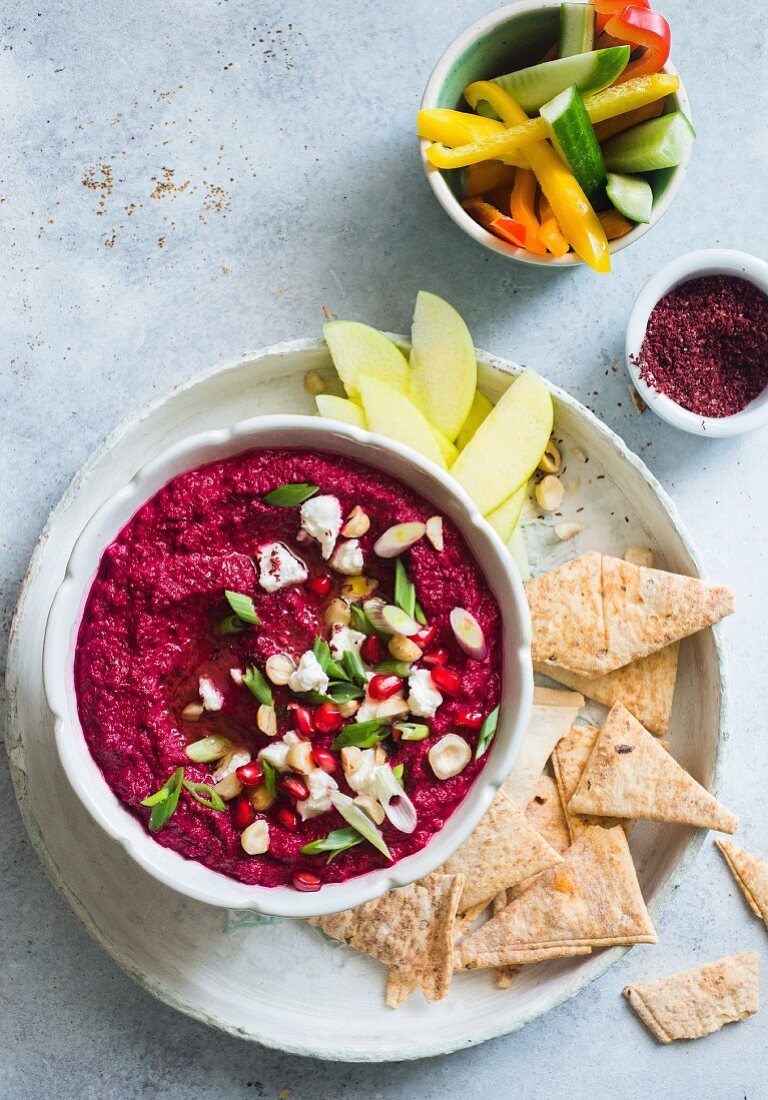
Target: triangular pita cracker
(596, 613)
(505, 975)
(546, 813)
(503, 850)
(552, 715)
(409, 929)
(592, 899)
(629, 774)
(645, 687)
(399, 988)
(569, 759)
(751, 873)
(697, 1002)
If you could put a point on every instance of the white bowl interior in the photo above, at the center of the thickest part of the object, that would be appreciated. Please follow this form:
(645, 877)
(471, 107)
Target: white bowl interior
(694, 265)
(511, 37)
(193, 878)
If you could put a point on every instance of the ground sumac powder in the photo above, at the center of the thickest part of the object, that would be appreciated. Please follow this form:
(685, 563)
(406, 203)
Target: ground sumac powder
(706, 345)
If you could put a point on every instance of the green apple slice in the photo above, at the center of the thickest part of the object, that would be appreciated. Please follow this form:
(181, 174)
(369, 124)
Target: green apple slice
(357, 348)
(390, 413)
(443, 365)
(340, 408)
(480, 408)
(507, 446)
(504, 518)
(448, 450)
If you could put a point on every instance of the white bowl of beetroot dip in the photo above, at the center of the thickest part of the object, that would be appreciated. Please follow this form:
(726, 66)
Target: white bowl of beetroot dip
(289, 666)
(697, 343)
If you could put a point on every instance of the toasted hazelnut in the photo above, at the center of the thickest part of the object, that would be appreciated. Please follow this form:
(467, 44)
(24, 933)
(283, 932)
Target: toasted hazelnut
(279, 668)
(380, 755)
(229, 764)
(192, 712)
(255, 839)
(337, 613)
(359, 588)
(565, 531)
(261, 798)
(357, 523)
(449, 756)
(266, 720)
(393, 707)
(372, 807)
(228, 788)
(549, 493)
(403, 649)
(639, 555)
(351, 758)
(314, 383)
(299, 758)
(551, 460)
(435, 532)
(346, 710)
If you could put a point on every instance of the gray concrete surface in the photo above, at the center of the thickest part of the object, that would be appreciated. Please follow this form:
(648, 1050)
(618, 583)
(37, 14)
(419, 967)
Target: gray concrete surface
(186, 180)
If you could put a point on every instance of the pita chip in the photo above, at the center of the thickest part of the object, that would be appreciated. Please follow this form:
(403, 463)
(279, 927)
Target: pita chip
(545, 812)
(409, 929)
(552, 715)
(505, 975)
(697, 1002)
(646, 687)
(591, 899)
(631, 775)
(596, 613)
(399, 988)
(569, 759)
(751, 873)
(503, 850)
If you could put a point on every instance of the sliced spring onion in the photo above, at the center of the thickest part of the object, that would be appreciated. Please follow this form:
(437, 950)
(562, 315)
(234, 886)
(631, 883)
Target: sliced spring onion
(164, 801)
(418, 614)
(322, 652)
(208, 749)
(337, 841)
(487, 732)
(359, 820)
(393, 668)
(405, 593)
(468, 633)
(396, 540)
(353, 667)
(412, 731)
(258, 686)
(242, 606)
(205, 795)
(397, 621)
(398, 807)
(288, 496)
(339, 691)
(270, 777)
(230, 624)
(397, 771)
(360, 620)
(363, 735)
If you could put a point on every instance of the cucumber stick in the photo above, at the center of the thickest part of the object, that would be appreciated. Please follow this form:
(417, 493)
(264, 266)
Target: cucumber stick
(577, 29)
(659, 143)
(572, 132)
(590, 72)
(631, 195)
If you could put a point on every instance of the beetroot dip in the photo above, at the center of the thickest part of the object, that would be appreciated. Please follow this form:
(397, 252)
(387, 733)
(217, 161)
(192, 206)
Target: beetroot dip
(151, 631)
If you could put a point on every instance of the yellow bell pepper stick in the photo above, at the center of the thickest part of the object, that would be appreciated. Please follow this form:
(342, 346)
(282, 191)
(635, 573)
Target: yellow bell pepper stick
(607, 104)
(570, 205)
(521, 205)
(460, 128)
(550, 232)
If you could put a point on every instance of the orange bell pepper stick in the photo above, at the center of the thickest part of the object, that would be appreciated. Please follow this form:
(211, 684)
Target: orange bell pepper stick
(550, 232)
(615, 224)
(521, 203)
(506, 229)
(611, 126)
(486, 176)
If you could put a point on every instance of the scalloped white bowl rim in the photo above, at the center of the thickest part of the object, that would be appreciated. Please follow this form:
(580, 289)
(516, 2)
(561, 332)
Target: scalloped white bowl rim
(291, 431)
(453, 207)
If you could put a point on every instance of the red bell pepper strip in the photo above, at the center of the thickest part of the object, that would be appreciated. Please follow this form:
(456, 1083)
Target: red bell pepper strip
(492, 219)
(605, 9)
(642, 27)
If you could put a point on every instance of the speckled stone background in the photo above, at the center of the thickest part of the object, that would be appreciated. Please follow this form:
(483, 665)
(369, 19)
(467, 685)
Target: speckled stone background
(186, 180)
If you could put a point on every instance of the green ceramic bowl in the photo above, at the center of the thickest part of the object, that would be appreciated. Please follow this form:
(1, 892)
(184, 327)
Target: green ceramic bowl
(507, 39)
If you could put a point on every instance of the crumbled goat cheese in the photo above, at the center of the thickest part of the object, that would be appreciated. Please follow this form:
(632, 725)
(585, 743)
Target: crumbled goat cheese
(321, 519)
(423, 696)
(210, 694)
(348, 558)
(278, 567)
(309, 675)
(320, 785)
(276, 754)
(344, 640)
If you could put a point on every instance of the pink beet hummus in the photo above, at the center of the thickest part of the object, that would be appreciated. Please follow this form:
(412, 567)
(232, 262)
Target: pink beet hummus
(149, 633)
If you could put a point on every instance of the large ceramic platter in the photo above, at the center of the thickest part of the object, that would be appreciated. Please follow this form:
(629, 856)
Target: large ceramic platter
(281, 983)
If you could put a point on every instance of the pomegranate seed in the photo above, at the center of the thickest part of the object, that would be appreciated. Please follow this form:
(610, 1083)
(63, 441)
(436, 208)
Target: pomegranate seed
(325, 760)
(372, 650)
(424, 636)
(321, 586)
(303, 720)
(471, 719)
(436, 657)
(384, 687)
(307, 883)
(287, 818)
(327, 718)
(243, 812)
(447, 680)
(250, 775)
(293, 787)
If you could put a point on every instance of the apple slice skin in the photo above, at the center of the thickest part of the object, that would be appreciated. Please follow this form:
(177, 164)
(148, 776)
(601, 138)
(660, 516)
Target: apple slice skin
(504, 518)
(480, 409)
(357, 348)
(443, 364)
(508, 445)
(340, 408)
(390, 413)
